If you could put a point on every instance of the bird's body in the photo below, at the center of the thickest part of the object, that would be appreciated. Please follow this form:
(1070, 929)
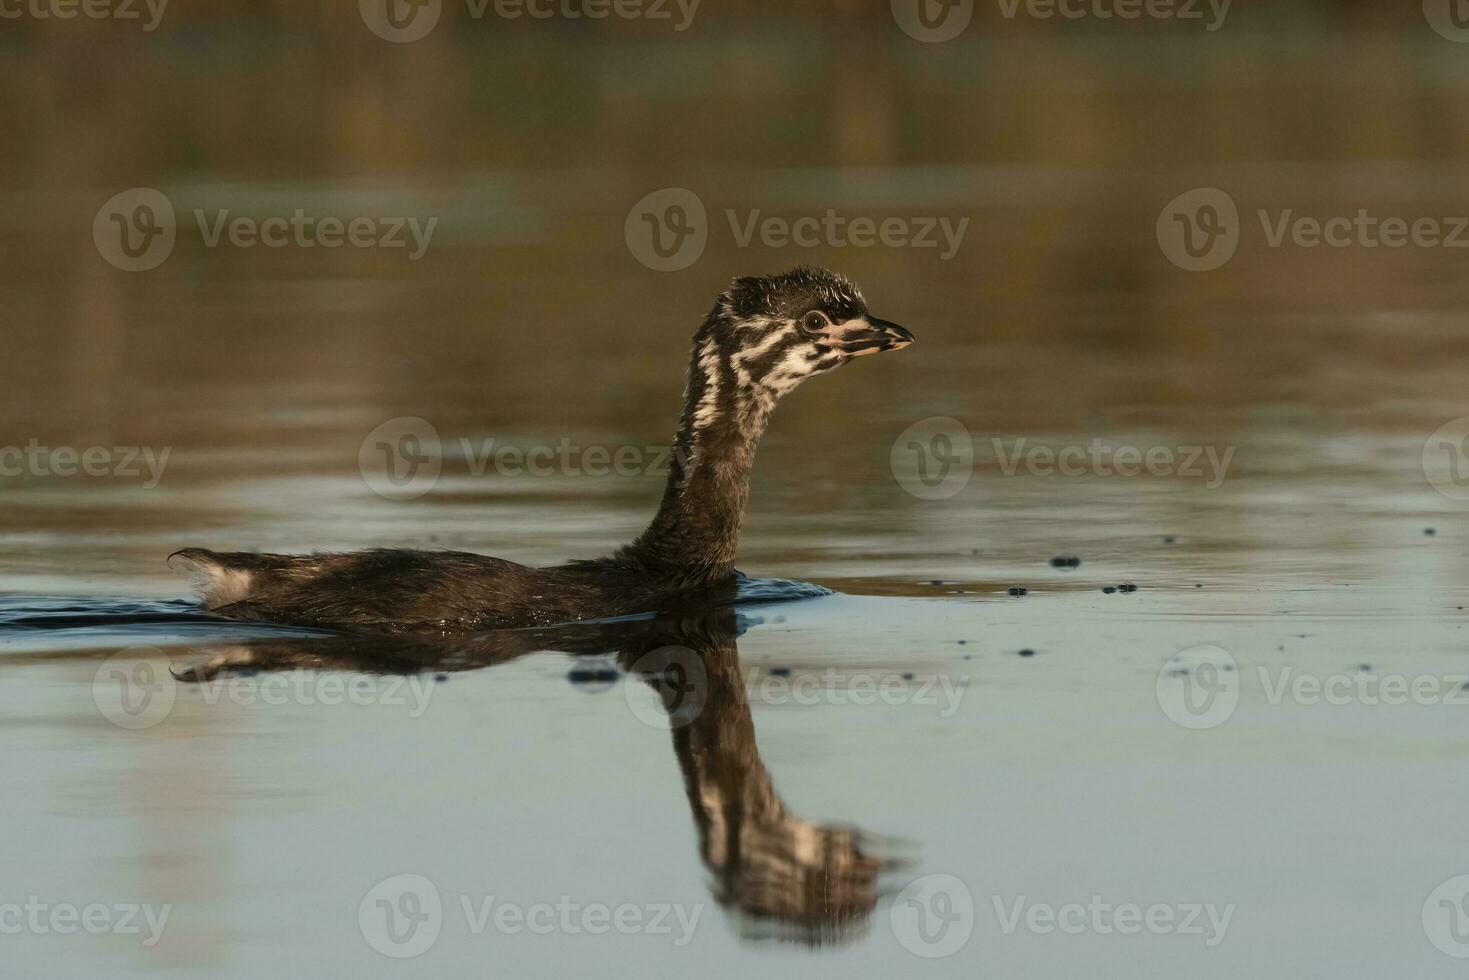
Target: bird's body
(762, 338)
(413, 590)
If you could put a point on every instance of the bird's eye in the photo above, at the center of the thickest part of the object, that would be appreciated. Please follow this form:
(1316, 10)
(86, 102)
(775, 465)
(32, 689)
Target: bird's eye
(814, 322)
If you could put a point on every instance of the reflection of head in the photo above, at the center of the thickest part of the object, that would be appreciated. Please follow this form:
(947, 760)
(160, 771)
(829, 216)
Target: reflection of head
(797, 880)
(784, 876)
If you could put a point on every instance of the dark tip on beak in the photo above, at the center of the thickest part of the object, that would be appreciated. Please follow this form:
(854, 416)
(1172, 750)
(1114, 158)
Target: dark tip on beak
(869, 335)
(894, 335)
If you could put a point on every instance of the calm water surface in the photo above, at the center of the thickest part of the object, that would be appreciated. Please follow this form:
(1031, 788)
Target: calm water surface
(783, 817)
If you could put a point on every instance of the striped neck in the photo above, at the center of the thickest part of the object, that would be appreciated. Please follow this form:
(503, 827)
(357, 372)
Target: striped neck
(695, 534)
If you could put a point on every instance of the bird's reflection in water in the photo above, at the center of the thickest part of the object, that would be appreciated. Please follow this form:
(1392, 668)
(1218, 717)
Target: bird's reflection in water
(782, 876)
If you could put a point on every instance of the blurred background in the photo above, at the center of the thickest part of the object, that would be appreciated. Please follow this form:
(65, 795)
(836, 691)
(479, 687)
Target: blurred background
(528, 317)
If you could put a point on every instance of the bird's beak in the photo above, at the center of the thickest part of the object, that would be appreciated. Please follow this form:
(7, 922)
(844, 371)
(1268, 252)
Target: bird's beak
(869, 335)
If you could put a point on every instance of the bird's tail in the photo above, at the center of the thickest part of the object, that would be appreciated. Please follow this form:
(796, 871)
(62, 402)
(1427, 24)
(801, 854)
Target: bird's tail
(224, 578)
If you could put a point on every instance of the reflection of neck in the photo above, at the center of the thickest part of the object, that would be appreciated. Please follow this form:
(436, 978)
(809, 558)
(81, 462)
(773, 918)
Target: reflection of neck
(812, 881)
(695, 534)
(729, 788)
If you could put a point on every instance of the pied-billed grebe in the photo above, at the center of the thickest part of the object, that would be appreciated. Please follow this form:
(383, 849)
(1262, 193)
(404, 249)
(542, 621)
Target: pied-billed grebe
(763, 337)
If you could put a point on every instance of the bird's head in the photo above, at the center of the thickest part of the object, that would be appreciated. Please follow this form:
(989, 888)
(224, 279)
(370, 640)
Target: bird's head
(767, 334)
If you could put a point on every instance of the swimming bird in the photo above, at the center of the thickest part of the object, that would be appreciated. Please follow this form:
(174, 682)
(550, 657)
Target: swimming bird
(762, 338)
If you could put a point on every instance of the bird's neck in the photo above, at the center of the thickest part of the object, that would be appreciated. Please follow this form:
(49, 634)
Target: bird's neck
(695, 534)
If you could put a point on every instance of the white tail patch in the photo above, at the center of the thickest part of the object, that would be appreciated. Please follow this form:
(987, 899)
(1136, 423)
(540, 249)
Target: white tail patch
(216, 585)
